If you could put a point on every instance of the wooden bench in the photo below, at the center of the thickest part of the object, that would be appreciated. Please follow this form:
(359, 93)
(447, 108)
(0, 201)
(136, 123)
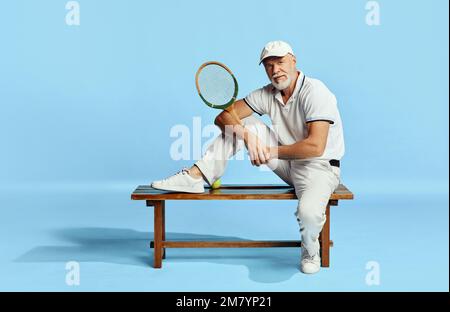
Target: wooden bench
(157, 199)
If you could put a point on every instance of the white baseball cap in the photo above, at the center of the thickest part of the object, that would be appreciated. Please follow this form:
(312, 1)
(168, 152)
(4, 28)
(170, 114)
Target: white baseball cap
(275, 48)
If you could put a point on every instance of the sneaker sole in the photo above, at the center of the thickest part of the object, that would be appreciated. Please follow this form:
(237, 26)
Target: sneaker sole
(179, 189)
(305, 272)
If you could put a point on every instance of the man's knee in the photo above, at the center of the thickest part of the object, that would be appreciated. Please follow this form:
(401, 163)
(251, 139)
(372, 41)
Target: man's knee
(260, 130)
(250, 120)
(251, 123)
(310, 212)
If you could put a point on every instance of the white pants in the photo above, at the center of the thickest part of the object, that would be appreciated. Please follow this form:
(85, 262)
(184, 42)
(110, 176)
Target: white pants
(314, 180)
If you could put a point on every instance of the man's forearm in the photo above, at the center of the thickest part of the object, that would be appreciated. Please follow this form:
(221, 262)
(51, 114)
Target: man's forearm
(300, 150)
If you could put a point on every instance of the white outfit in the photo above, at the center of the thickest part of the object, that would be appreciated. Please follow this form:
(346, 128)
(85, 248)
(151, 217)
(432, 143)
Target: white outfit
(314, 179)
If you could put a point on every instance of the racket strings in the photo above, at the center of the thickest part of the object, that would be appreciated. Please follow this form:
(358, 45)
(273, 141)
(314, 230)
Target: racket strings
(216, 85)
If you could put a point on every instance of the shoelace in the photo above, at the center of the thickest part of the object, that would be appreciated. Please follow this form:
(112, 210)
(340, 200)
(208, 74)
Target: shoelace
(307, 257)
(182, 171)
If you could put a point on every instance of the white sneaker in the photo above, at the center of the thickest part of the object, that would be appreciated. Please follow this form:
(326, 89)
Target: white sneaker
(180, 182)
(309, 264)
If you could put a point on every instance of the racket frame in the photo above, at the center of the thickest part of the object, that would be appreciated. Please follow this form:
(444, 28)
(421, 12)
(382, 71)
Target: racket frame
(236, 87)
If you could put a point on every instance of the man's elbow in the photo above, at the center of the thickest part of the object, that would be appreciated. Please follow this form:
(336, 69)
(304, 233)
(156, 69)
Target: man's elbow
(219, 120)
(318, 149)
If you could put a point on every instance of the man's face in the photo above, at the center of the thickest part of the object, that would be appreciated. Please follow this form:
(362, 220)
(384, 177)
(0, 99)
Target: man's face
(280, 70)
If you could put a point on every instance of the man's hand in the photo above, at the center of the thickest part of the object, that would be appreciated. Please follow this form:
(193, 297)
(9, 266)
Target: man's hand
(259, 153)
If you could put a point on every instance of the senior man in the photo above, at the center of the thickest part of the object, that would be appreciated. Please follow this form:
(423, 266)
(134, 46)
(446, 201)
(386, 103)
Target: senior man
(304, 148)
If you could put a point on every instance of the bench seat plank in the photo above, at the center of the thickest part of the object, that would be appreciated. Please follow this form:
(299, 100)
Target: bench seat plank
(233, 192)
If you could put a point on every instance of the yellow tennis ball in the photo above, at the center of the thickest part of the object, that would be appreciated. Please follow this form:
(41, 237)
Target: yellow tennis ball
(216, 184)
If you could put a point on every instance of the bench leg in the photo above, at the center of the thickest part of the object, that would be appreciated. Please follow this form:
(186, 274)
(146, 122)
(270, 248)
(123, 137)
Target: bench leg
(158, 233)
(164, 227)
(325, 240)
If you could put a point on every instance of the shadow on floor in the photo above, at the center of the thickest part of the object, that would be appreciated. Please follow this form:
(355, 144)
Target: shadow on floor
(129, 247)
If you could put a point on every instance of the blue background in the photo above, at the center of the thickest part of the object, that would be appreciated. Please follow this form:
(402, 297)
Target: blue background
(86, 112)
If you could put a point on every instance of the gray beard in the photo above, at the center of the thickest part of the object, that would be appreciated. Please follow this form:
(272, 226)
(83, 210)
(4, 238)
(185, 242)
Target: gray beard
(282, 85)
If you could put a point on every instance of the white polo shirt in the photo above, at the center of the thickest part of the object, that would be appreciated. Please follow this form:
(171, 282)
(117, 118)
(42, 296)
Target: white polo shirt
(311, 101)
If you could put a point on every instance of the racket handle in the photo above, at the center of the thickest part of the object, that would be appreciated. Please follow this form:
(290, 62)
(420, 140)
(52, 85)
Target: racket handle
(233, 113)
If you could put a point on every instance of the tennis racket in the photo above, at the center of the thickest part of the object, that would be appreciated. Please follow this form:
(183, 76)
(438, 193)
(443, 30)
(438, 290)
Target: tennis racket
(217, 87)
